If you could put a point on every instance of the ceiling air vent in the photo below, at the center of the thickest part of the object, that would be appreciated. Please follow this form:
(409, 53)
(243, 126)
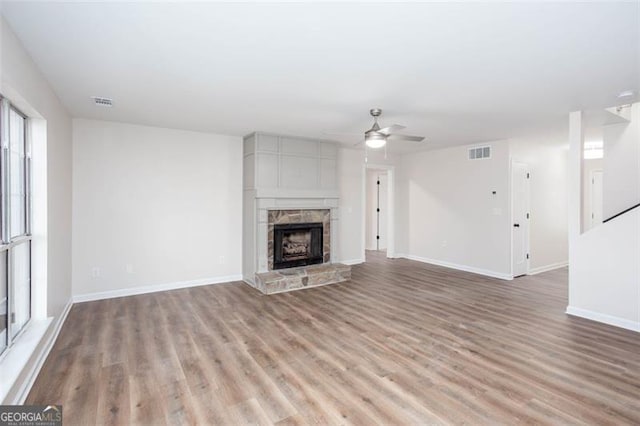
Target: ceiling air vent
(103, 102)
(479, 153)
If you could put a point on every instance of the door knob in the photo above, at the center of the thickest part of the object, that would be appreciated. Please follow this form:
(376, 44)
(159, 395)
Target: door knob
(516, 225)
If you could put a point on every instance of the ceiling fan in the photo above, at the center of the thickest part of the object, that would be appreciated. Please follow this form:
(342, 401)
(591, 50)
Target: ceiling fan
(377, 137)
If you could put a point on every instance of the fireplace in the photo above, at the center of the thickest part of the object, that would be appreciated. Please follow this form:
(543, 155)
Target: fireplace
(297, 244)
(318, 219)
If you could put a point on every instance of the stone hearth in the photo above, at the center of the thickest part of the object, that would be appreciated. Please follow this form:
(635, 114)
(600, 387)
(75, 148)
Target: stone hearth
(299, 278)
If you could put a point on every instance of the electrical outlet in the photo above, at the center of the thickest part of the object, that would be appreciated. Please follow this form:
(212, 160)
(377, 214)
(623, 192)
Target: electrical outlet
(129, 268)
(222, 260)
(95, 272)
(444, 243)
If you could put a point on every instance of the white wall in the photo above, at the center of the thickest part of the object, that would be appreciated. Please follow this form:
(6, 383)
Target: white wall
(153, 206)
(548, 167)
(24, 85)
(447, 212)
(351, 205)
(604, 271)
(622, 164)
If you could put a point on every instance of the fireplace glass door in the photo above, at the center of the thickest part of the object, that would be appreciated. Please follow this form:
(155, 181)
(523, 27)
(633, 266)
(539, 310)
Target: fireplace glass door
(298, 244)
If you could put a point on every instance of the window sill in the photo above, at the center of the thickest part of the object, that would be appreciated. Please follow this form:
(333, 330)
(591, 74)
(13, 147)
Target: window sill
(18, 356)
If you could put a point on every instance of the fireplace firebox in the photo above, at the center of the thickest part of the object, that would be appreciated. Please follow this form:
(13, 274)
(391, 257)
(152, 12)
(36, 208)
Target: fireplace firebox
(297, 244)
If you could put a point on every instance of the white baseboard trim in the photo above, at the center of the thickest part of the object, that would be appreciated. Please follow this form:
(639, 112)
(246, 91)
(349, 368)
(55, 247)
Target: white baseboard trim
(604, 318)
(132, 291)
(352, 261)
(465, 268)
(547, 268)
(25, 388)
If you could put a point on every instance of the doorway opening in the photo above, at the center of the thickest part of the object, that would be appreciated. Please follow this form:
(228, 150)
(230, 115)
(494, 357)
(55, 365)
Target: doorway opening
(378, 211)
(593, 178)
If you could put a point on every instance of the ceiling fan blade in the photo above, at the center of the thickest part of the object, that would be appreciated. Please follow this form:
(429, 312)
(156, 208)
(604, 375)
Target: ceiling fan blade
(391, 129)
(342, 134)
(410, 138)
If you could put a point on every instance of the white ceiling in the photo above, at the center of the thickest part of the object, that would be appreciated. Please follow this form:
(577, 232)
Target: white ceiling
(456, 73)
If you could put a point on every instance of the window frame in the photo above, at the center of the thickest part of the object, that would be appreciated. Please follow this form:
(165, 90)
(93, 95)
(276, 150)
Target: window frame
(7, 242)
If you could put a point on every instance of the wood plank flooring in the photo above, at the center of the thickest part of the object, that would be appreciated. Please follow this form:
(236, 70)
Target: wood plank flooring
(402, 343)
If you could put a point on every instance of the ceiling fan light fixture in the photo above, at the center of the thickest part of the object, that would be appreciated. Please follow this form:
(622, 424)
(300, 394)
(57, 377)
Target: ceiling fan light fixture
(375, 140)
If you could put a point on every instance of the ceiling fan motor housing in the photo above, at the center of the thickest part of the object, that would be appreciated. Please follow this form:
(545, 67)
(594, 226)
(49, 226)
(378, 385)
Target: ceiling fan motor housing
(375, 112)
(372, 137)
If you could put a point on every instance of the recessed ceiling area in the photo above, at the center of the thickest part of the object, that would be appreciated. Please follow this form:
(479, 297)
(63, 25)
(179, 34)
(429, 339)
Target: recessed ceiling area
(455, 73)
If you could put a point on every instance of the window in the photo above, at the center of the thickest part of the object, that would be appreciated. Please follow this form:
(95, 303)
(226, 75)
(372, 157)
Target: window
(15, 244)
(4, 335)
(593, 150)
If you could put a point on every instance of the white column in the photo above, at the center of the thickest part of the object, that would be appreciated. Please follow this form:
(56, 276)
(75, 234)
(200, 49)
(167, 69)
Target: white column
(262, 239)
(335, 256)
(576, 142)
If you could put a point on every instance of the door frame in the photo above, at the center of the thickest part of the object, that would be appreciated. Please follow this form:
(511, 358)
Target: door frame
(391, 252)
(512, 218)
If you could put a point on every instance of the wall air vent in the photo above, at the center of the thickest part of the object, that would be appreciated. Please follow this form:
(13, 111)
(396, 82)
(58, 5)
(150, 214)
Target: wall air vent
(103, 102)
(478, 153)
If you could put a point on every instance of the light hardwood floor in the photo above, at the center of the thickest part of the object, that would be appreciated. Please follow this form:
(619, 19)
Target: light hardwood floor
(402, 343)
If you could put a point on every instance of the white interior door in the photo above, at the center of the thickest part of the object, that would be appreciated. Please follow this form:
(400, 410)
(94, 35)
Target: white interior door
(520, 217)
(596, 198)
(371, 206)
(382, 213)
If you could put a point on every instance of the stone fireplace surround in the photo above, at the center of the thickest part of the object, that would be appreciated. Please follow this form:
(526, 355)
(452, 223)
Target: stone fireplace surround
(281, 217)
(277, 281)
(271, 211)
